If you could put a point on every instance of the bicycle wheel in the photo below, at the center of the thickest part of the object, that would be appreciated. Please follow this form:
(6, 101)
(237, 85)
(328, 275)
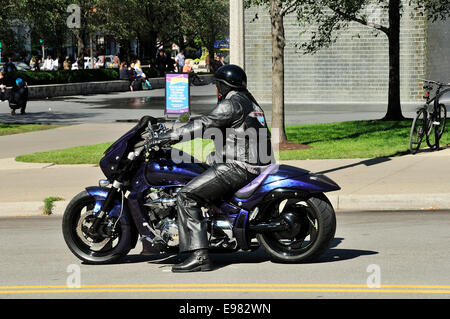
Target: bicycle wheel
(438, 122)
(418, 130)
(436, 126)
(442, 115)
(431, 130)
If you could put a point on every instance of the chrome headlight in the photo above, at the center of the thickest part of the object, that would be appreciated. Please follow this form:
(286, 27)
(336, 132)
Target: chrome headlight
(103, 183)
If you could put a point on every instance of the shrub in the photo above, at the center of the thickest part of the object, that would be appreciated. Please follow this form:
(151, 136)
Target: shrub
(69, 76)
(48, 204)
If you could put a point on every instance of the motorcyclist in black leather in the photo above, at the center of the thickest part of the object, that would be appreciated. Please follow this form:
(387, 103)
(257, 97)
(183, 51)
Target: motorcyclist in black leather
(243, 151)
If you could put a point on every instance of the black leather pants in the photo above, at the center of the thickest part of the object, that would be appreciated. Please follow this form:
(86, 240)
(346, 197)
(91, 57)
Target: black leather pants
(219, 181)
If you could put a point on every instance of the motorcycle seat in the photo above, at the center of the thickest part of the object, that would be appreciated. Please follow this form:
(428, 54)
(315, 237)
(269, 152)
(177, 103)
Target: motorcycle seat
(248, 190)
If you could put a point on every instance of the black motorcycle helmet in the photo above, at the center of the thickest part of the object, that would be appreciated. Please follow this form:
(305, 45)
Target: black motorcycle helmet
(229, 78)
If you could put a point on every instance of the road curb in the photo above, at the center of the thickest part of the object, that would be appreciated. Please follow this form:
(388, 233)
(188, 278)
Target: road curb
(13, 209)
(391, 202)
(341, 203)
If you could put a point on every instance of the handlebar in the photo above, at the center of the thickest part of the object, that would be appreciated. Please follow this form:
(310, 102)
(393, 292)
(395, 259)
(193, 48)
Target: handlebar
(435, 82)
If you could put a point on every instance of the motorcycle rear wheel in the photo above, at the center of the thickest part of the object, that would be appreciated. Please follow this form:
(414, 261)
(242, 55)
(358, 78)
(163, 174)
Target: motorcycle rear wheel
(317, 221)
(77, 217)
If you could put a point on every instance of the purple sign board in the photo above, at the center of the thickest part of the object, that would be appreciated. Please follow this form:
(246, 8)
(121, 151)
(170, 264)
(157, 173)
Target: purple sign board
(177, 94)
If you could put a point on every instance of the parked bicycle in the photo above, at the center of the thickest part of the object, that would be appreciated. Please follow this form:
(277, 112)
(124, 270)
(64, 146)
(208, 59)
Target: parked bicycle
(430, 119)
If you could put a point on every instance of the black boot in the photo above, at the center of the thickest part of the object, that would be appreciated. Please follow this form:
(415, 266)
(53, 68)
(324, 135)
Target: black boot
(148, 249)
(198, 261)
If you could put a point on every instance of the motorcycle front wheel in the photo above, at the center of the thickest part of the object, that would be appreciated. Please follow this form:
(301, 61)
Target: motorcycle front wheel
(106, 246)
(309, 237)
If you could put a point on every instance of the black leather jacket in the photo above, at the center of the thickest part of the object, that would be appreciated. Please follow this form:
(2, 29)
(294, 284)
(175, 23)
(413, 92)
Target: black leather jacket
(239, 130)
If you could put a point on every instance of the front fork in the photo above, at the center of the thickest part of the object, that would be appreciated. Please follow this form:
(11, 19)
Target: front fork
(134, 204)
(107, 205)
(116, 188)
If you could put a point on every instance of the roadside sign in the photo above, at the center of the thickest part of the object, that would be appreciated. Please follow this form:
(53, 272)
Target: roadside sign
(177, 94)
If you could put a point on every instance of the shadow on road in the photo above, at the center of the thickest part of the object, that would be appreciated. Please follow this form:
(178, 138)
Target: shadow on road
(334, 254)
(343, 254)
(46, 118)
(370, 162)
(222, 260)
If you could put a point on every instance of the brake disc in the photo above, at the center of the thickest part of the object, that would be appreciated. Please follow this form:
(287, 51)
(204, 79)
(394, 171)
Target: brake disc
(93, 243)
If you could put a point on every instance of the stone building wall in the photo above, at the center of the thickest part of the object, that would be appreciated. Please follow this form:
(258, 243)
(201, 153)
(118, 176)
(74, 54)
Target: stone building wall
(354, 69)
(438, 51)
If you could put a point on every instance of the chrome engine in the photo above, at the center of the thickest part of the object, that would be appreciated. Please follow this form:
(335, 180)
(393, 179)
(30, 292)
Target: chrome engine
(168, 230)
(161, 203)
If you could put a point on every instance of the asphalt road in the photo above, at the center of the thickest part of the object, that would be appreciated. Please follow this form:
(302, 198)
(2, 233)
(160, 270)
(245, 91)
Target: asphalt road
(123, 106)
(405, 252)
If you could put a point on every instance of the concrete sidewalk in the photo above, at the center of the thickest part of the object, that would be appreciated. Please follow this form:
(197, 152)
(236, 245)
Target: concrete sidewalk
(411, 182)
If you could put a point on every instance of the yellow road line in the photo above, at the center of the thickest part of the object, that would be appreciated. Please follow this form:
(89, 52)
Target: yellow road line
(344, 288)
(172, 286)
(225, 290)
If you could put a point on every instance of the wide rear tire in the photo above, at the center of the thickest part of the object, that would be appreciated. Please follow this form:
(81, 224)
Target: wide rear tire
(318, 222)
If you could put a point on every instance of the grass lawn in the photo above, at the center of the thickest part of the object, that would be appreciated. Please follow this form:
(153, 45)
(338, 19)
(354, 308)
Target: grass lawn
(9, 129)
(356, 139)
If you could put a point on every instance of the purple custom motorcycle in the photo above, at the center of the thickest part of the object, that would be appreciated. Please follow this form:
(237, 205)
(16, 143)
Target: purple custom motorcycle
(284, 209)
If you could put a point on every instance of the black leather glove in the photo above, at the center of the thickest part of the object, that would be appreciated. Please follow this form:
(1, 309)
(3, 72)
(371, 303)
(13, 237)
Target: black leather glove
(168, 138)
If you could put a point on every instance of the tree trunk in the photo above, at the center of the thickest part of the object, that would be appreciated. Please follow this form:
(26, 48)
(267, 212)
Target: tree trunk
(151, 46)
(91, 50)
(278, 45)
(80, 44)
(394, 111)
(211, 52)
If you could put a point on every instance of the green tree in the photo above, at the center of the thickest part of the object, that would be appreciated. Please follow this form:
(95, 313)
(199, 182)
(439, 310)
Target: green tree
(329, 16)
(11, 44)
(207, 21)
(46, 19)
(148, 21)
(93, 19)
(278, 9)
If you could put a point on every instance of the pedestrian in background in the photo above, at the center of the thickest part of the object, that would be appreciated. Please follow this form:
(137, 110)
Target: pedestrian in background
(67, 66)
(222, 61)
(123, 71)
(187, 66)
(139, 72)
(33, 63)
(75, 65)
(215, 65)
(116, 62)
(48, 64)
(141, 75)
(10, 66)
(55, 66)
(161, 63)
(2, 87)
(19, 97)
(179, 59)
(38, 65)
(135, 81)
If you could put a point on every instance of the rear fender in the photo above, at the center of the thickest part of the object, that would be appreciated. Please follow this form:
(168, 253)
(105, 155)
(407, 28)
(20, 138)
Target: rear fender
(307, 183)
(303, 185)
